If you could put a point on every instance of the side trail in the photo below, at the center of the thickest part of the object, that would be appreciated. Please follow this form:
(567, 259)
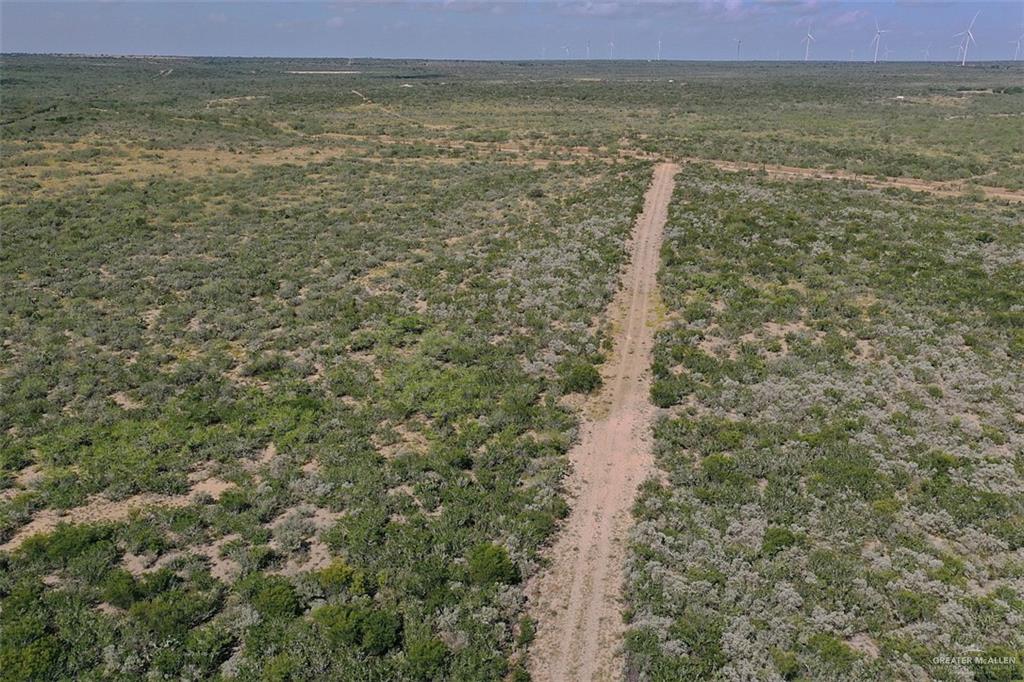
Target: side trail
(577, 600)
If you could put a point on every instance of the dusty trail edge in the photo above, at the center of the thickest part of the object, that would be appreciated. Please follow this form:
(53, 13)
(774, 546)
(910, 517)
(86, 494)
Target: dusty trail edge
(576, 602)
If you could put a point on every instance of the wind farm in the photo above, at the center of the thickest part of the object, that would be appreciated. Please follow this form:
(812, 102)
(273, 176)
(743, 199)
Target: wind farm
(807, 40)
(966, 40)
(877, 40)
(511, 342)
(675, 49)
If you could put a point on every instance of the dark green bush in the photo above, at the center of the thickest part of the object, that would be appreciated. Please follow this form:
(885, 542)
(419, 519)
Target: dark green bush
(426, 658)
(669, 391)
(209, 646)
(777, 539)
(273, 596)
(120, 588)
(235, 500)
(489, 563)
(372, 631)
(31, 661)
(172, 613)
(578, 376)
(832, 651)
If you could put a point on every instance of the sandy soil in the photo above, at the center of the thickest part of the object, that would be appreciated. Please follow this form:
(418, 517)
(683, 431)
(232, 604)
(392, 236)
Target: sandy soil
(136, 163)
(98, 509)
(577, 601)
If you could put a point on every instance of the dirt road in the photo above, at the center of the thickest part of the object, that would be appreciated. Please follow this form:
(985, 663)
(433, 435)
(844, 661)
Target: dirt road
(576, 602)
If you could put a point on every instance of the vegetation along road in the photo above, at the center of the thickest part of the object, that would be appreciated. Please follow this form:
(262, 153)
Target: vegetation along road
(577, 601)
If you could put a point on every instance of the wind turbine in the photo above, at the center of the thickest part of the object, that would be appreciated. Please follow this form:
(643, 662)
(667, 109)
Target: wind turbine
(566, 48)
(927, 52)
(611, 48)
(1016, 48)
(738, 43)
(588, 49)
(968, 38)
(807, 39)
(877, 40)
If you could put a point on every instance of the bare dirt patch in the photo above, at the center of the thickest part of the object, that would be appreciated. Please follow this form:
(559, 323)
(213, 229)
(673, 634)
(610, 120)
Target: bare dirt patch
(576, 602)
(96, 510)
(863, 643)
(99, 509)
(322, 73)
(266, 456)
(226, 101)
(221, 567)
(29, 477)
(125, 402)
(214, 487)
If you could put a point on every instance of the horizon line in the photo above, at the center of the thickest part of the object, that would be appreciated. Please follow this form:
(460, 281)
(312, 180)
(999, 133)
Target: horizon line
(127, 55)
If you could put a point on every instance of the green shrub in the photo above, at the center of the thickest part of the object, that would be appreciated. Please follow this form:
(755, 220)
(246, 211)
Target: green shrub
(282, 668)
(941, 462)
(273, 596)
(173, 613)
(777, 539)
(527, 631)
(426, 658)
(833, 652)
(1015, 348)
(335, 576)
(265, 365)
(489, 563)
(374, 632)
(208, 646)
(120, 588)
(669, 391)
(702, 634)
(235, 500)
(65, 543)
(786, 663)
(914, 606)
(721, 469)
(35, 660)
(578, 376)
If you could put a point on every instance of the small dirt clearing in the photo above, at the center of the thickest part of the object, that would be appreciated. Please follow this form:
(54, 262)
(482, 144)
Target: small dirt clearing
(576, 602)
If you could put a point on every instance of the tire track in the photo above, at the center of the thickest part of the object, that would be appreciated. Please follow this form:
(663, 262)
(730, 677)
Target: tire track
(577, 601)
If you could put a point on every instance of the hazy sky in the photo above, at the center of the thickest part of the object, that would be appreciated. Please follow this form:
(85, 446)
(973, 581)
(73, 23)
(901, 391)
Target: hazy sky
(706, 29)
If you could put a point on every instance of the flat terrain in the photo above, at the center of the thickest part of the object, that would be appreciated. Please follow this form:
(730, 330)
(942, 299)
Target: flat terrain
(319, 370)
(843, 437)
(577, 602)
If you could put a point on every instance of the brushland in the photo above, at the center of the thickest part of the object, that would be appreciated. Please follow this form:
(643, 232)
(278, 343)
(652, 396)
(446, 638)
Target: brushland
(294, 352)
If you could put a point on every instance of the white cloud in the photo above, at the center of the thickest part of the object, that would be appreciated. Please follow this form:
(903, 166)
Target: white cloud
(848, 18)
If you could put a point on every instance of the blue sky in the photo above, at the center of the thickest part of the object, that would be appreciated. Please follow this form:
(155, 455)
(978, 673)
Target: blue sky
(466, 29)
